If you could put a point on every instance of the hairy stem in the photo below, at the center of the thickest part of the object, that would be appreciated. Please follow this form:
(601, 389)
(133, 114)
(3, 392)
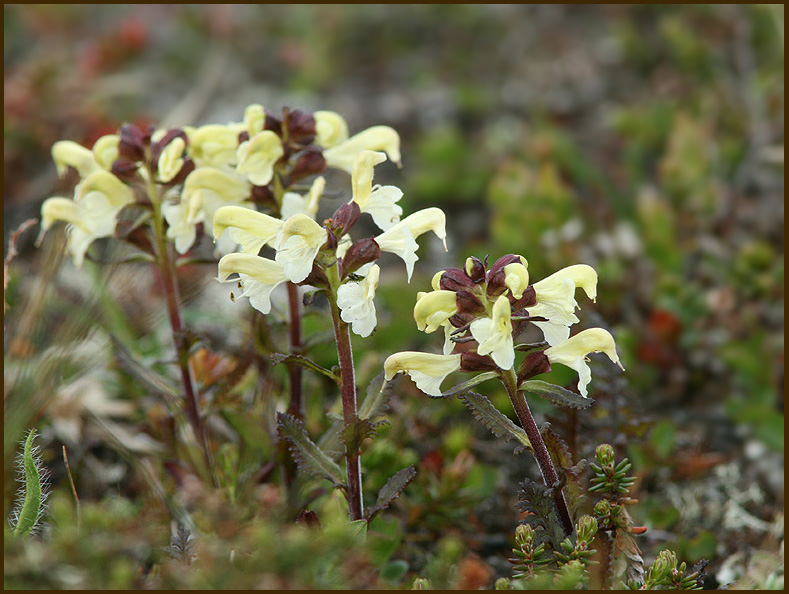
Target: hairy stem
(541, 454)
(296, 407)
(342, 334)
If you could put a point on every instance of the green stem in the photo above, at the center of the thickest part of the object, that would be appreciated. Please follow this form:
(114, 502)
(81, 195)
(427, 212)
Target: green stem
(167, 273)
(342, 334)
(541, 454)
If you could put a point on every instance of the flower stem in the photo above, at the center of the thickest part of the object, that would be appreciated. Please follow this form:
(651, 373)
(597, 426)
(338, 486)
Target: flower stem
(296, 407)
(172, 297)
(549, 475)
(342, 334)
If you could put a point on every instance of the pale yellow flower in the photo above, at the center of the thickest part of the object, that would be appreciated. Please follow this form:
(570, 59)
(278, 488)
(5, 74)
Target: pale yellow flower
(257, 156)
(378, 138)
(494, 334)
(213, 145)
(330, 129)
(573, 351)
(380, 201)
(427, 370)
(171, 160)
(259, 277)
(91, 215)
(433, 310)
(294, 203)
(248, 228)
(401, 239)
(516, 277)
(299, 242)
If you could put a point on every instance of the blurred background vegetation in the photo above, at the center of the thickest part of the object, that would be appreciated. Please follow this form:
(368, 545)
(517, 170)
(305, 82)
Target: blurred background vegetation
(646, 141)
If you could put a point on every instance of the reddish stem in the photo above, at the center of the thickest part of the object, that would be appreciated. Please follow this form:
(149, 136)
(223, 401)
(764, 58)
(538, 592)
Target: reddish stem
(296, 407)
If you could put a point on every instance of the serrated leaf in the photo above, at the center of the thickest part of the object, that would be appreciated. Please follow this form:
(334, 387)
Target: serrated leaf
(392, 490)
(537, 501)
(356, 432)
(277, 358)
(467, 385)
(497, 422)
(309, 457)
(556, 394)
(560, 453)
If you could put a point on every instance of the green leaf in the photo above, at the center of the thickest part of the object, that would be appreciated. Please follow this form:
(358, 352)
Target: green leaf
(467, 385)
(378, 393)
(392, 490)
(277, 358)
(556, 394)
(309, 457)
(356, 432)
(32, 495)
(497, 422)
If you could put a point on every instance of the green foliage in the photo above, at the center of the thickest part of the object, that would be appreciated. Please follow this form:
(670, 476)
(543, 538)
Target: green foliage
(30, 507)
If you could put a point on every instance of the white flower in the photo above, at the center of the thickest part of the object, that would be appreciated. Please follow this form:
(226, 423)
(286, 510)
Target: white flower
(293, 203)
(433, 310)
(355, 300)
(257, 156)
(379, 202)
(556, 300)
(259, 277)
(401, 239)
(300, 241)
(91, 215)
(427, 370)
(494, 334)
(573, 351)
(378, 138)
(182, 220)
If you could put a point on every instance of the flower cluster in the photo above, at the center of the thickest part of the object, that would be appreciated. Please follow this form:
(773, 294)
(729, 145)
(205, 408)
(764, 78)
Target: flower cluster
(482, 311)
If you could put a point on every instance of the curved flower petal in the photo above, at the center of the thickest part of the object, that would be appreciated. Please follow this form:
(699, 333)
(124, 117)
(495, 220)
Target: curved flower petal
(259, 277)
(330, 129)
(494, 334)
(300, 241)
(249, 228)
(433, 310)
(105, 150)
(573, 351)
(256, 157)
(582, 275)
(182, 220)
(377, 138)
(401, 239)
(516, 277)
(254, 119)
(427, 370)
(212, 145)
(171, 160)
(556, 302)
(355, 300)
(67, 153)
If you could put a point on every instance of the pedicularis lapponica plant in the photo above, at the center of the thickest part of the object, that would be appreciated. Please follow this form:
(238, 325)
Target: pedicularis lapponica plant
(254, 187)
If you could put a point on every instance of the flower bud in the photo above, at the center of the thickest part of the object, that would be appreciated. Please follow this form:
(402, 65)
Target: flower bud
(604, 454)
(497, 275)
(528, 299)
(462, 319)
(468, 303)
(133, 142)
(475, 269)
(360, 253)
(300, 126)
(535, 363)
(586, 528)
(454, 279)
(344, 218)
(470, 361)
(310, 162)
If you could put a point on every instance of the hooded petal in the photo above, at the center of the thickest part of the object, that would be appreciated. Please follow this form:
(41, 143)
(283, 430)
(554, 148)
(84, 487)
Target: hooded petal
(66, 153)
(494, 334)
(401, 239)
(377, 138)
(249, 228)
(293, 203)
(171, 160)
(256, 157)
(427, 370)
(213, 145)
(259, 277)
(433, 310)
(330, 128)
(105, 150)
(573, 351)
(516, 277)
